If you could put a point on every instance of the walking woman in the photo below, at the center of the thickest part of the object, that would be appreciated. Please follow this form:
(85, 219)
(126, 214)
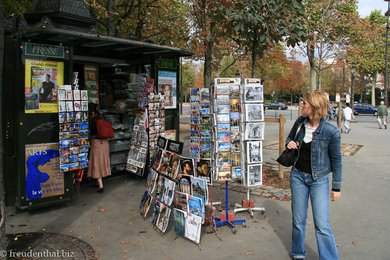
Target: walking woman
(99, 160)
(319, 153)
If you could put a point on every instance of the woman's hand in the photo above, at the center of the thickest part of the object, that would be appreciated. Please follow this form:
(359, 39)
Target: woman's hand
(335, 195)
(292, 145)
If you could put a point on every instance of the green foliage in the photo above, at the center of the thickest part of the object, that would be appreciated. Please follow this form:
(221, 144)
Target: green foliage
(188, 79)
(256, 24)
(16, 7)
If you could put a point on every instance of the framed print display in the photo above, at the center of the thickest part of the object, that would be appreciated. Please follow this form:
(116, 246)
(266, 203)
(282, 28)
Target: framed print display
(254, 174)
(254, 152)
(253, 94)
(254, 112)
(167, 87)
(254, 131)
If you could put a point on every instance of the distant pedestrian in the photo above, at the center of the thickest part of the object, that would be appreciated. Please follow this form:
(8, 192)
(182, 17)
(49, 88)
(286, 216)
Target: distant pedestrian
(382, 115)
(347, 115)
(319, 153)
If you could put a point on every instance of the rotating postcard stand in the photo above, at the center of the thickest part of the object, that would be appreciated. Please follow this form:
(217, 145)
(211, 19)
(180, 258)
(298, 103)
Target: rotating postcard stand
(251, 137)
(229, 220)
(226, 124)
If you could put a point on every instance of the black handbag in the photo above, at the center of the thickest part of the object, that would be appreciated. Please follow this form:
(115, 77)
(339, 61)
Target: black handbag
(288, 156)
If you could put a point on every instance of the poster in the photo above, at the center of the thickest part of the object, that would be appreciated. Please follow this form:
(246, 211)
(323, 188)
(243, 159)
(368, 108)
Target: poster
(167, 87)
(42, 79)
(43, 176)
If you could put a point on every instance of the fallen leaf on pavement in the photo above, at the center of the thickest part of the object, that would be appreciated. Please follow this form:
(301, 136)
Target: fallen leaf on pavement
(102, 210)
(355, 243)
(124, 241)
(250, 253)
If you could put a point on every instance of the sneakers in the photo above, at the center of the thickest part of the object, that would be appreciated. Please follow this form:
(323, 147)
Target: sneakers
(385, 126)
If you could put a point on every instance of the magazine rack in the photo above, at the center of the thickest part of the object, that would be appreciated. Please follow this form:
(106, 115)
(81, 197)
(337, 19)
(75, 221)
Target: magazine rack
(218, 222)
(240, 208)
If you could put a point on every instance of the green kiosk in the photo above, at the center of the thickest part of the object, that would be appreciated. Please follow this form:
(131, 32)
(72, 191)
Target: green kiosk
(57, 45)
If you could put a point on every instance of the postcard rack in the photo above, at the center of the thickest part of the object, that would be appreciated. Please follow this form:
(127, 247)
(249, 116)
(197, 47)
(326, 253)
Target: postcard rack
(252, 134)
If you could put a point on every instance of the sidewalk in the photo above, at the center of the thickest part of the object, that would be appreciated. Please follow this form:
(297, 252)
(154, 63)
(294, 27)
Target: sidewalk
(111, 223)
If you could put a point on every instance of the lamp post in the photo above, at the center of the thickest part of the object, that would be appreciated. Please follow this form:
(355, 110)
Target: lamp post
(387, 53)
(352, 87)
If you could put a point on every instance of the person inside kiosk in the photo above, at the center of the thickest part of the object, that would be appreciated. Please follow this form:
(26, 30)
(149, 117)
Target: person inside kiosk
(99, 160)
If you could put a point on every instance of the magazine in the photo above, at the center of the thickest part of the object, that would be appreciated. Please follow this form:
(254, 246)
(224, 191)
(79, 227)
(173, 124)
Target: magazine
(179, 218)
(193, 225)
(199, 188)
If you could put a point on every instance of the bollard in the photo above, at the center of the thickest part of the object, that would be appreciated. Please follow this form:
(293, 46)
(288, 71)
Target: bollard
(281, 120)
(281, 143)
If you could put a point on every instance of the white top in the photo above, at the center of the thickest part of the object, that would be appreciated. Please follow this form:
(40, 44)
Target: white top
(309, 133)
(347, 113)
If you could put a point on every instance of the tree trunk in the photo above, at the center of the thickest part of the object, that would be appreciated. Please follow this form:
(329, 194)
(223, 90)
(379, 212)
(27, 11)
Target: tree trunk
(3, 237)
(253, 61)
(311, 58)
(208, 59)
(110, 18)
(373, 101)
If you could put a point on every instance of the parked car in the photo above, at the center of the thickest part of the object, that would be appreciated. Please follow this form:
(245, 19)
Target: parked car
(363, 108)
(276, 106)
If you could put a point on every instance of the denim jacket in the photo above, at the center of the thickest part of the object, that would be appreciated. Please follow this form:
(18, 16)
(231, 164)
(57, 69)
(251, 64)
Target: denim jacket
(325, 149)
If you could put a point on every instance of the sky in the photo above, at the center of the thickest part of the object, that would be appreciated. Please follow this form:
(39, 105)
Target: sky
(366, 6)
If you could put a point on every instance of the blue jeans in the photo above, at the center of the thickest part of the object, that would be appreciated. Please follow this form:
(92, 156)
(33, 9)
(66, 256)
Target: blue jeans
(304, 186)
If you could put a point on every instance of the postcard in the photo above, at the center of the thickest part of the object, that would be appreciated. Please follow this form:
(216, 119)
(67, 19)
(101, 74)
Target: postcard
(185, 184)
(203, 170)
(186, 166)
(181, 200)
(254, 177)
(234, 91)
(224, 147)
(224, 127)
(223, 137)
(254, 152)
(234, 105)
(222, 90)
(234, 118)
(253, 93)
(254, 131)
(222, 100)
(223, 118)
(254, 112)
(222, 109)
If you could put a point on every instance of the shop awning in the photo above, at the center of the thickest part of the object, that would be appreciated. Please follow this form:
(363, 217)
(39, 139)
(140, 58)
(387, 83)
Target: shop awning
(88, 44)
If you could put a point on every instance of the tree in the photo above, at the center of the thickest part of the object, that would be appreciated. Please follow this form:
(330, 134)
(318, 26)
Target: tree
(188, 74)
(366, 50)
(257, 24)
(207, 21)
(158, 21)
(328, 23)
